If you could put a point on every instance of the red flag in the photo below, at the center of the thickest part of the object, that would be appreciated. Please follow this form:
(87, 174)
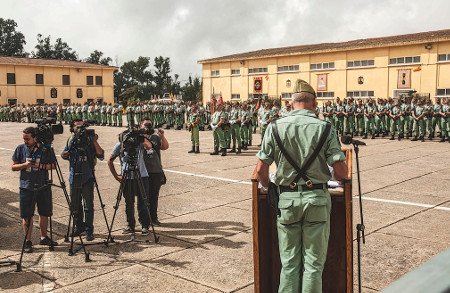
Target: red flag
(258, 104)
(212, 108)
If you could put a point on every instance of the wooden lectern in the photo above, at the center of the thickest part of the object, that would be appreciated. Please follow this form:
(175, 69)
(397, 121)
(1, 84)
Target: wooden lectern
(338, 273)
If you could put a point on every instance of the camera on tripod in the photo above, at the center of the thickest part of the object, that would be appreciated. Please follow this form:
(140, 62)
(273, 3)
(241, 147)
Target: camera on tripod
(82, 134)
(46, 129)
(132, 138)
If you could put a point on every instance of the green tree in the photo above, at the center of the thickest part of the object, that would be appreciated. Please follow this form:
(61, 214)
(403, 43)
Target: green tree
(134, 80)
(162, 78)
(96, 58)
(192, 89)
(11, 41)
(58, 50)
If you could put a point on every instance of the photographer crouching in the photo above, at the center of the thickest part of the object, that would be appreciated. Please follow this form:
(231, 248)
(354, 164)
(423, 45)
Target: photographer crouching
(152, 158)
(130, 149)
(34, 186)
(78, 150)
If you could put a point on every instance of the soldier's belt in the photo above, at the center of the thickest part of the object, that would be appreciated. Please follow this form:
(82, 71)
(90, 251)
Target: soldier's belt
(303, 187)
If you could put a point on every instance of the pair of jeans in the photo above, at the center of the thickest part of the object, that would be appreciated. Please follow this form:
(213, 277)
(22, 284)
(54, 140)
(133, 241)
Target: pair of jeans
(154, 180)
(82, 199)
(130, 191)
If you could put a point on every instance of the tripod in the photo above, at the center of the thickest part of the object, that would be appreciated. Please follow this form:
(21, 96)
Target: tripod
(82, 156)
(49, 152)
(359, 227)
(131, 172)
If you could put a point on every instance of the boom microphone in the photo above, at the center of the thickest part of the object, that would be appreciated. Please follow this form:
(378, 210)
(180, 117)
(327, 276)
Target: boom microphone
(347, 139)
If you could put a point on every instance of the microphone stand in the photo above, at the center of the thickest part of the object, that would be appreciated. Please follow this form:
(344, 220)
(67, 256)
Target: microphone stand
(359, 227)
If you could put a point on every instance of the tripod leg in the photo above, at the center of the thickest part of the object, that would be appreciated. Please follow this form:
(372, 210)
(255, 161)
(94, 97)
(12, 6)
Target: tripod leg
(29, 223)
(116, 206)
(52, 246)
(102, 205)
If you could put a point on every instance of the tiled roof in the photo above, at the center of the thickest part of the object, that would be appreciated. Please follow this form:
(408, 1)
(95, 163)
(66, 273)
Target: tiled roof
(50, 62)
(400, 40)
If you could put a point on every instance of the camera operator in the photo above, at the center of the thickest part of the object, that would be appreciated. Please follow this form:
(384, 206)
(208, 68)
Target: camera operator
(34, 188)
(78, 150)
(131, 187)
(153, 164)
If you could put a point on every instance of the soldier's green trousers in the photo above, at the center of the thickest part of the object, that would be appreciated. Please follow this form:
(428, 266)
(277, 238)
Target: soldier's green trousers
(360, 124)
(227, 134)
(369, 125)
(235, 131)
(396, 125)
(219, 138)
(419, 127)
(245, 134)
(436, 121)
(339, 123)
(380, 123)
(120, 116)
(195, 136)
(303, 231)
(349, 124)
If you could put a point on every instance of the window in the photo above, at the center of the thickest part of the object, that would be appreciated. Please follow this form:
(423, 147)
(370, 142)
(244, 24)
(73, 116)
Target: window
(360, 94)
(257, 70)
(286, 96)
(257, 96)
(90, 101)
(66, 79)
(215, 73)
(360, 63)
(99, 80)
(66, 101)
(89, 80)
(235, 72)
(443, 57)
(11, 78)
(322, 66)
(288, 68)
(325, 94)
(40, 101)
(235, 96)
(12, 102)
(39, 78)
(443, 92)
(404, 60)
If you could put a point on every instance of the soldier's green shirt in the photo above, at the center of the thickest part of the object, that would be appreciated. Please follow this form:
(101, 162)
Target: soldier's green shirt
(215, 119)
(300, 132)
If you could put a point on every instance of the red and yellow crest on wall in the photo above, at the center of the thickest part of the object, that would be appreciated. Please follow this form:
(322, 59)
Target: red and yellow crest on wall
(257, 84)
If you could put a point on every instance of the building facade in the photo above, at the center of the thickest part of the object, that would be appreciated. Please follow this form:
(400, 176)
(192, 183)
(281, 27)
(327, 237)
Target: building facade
(378, 67)
(31, 81)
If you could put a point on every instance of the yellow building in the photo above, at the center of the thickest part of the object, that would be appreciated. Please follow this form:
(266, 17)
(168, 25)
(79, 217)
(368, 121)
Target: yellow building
(377, 67)
(30, 81)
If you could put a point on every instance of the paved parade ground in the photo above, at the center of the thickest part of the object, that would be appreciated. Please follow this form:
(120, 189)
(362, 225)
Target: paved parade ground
(205, 210)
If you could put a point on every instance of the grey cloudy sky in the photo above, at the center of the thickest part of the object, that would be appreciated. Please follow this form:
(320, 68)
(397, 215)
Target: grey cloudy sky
(189, 30)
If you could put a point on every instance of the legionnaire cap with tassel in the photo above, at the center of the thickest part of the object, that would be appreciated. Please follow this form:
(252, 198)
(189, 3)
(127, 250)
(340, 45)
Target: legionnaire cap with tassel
(302, 86)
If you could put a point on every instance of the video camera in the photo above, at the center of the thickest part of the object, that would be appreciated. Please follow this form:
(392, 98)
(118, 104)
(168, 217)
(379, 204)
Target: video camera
(46, 129)
(132, 138)
(82, 135)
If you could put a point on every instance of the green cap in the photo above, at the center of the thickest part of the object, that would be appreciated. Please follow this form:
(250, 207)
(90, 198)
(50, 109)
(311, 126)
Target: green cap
(302, 86)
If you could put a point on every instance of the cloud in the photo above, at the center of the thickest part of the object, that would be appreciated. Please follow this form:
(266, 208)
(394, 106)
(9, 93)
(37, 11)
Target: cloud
(187, 31)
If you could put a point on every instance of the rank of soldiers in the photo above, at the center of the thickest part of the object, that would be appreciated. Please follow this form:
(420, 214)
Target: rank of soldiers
(233, 124)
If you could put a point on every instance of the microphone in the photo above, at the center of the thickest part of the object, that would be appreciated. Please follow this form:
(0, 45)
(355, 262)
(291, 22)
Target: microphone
(347, 139)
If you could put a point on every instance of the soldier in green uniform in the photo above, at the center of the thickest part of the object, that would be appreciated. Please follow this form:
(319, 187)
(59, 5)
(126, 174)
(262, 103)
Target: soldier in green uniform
(349, 122)
(428, 118)
(388, 106)
(436, 120)
(445, 120)
(246, 118)
(130, 117)
(303, 222)
(264, 118)
(418, 113)
(217, 121)
(396, 125)
(109, 114)
(328, 111)
(380, 118)
(226, 126)
(339, 116)
(369, 119)
(193, 123)
(120, 114)
(235, 128)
